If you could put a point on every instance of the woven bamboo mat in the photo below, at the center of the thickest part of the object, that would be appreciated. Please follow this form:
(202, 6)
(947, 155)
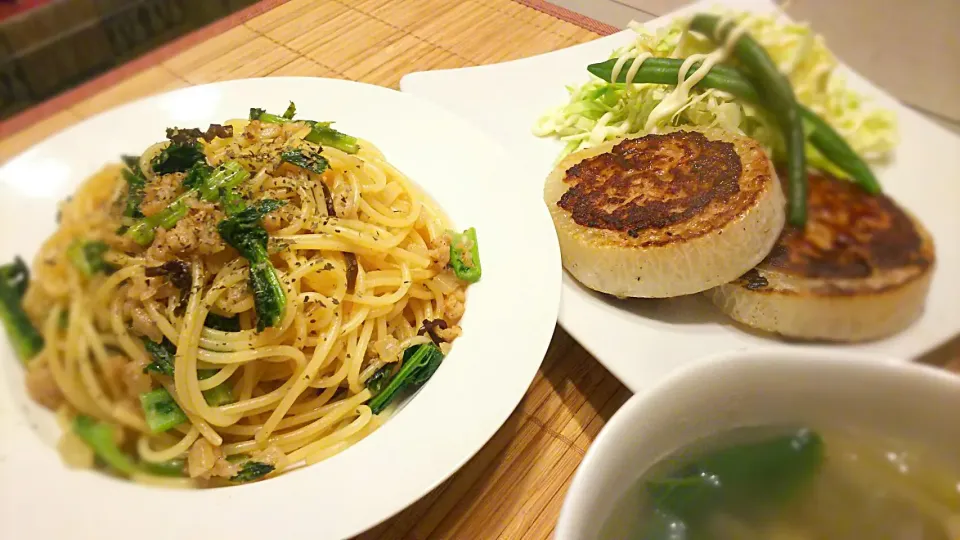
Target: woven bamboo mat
(513, 488)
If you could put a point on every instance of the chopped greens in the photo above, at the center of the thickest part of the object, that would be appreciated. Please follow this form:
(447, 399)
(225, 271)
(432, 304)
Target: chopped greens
(163, 354)
(26, 340)
(174, 467)
(221, 323)
(379, 379)
(197, 175)
(306, 159)
(264, 116)
(226, 176)
(465, 255)
(160, 410)
(772, 470)
(177, 157)
(245, 233)
(232, 202)
(324, 135)
(136, 181)
(420, 362)
(252, 470)
(99, 436)
(88, 257)
(219, 395)
(290, 112)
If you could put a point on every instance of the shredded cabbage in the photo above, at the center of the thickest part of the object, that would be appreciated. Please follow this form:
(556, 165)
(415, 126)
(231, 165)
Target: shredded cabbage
(599, 111)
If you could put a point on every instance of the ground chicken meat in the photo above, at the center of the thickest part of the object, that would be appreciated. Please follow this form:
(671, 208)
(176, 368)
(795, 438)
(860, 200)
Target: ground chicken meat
(233, 297)
(158, 194)
(202, 458)
(453, 306)
(224, 469)
(252, 131)
(135, 381)
(42, 387)
(271, 455)
(448, 334)
(195, 234)
(440, 252)
(387, 349)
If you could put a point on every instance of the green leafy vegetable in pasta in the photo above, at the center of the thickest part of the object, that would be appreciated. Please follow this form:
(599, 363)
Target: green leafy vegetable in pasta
(378, 381)
(221, 323)
(219, 395)
(206, 186)
(163, 354)
(306, 159)
(290, 112)
(174, 467)
(232, 202)
(88, 257)
(324, 135)
(178, 157)
(420, 362)
(26, 340)
(197, 175)
(100, 438)
(245, 233)
(465, 255)
(264, 116)
(160, 410)
(136, 181)
(252, 470)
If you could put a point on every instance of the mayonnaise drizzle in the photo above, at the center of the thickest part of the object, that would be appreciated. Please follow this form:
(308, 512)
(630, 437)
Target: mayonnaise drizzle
(675, 100)
(634, 67)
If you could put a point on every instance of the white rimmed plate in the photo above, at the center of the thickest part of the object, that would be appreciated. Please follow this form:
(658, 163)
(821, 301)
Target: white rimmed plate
(640, 341)
(507, 327)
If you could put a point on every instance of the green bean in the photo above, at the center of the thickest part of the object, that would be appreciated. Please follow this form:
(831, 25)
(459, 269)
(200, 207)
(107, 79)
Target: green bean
(727, 79)
(834, 148)
(777, 94)
(667, 70)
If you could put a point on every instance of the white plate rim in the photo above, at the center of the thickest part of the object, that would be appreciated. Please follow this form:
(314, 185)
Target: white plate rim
(294, 502)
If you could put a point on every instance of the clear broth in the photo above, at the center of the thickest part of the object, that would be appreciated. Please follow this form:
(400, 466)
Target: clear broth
(868, 487)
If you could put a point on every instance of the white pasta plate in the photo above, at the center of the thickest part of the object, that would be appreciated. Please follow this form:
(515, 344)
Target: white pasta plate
(641, 341)
(509, 320)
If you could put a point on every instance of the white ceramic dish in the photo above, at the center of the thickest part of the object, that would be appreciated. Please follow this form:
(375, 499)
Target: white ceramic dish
(761, 388)
(478, 385)
(640, 341)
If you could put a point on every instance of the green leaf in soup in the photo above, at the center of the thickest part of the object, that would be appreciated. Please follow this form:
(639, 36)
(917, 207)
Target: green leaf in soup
(748, 476)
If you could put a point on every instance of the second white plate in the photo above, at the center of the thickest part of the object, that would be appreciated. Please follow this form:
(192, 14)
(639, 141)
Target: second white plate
(640, 341)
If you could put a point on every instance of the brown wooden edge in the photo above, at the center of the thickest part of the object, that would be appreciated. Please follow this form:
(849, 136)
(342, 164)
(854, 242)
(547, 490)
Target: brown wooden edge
(72, 97)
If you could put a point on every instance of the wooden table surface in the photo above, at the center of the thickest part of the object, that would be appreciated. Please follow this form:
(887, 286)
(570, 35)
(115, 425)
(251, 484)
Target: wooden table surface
(514, 487)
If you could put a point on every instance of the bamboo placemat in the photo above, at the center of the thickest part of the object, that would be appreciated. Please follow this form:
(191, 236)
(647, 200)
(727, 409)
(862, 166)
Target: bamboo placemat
(514, 487)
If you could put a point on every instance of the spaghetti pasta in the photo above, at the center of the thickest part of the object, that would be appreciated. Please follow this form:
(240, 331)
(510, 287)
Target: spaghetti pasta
(255, 384)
